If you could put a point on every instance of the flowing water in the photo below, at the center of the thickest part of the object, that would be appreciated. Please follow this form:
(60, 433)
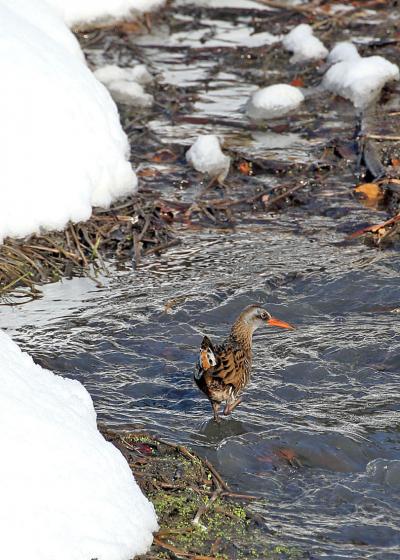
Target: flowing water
(317, 437)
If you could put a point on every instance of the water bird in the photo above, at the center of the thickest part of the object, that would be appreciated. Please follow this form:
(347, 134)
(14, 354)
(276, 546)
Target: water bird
(223, 371)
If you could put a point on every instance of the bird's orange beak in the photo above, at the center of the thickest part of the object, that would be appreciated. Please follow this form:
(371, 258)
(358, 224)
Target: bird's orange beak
(278, 323)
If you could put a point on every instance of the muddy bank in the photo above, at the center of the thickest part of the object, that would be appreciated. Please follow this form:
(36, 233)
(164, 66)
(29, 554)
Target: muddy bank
(200, 517)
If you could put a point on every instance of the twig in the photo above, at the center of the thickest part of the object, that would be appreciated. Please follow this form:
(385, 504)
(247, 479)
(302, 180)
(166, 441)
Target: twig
(181, 553)
(204, 507)
(382, 137)
(78, 246)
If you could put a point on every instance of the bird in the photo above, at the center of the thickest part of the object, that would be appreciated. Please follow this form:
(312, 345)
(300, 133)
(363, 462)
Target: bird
(223, 371)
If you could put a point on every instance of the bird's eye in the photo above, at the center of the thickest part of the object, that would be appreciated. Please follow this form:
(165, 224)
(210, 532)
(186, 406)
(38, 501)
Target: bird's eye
(264, 315)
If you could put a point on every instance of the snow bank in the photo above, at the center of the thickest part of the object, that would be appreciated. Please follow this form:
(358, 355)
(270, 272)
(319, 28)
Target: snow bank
(67, 494)
(303, 44)
(273, 101)
(88, 11)
(206, 156)
(63, 149)
(124, 84)
(356, 78)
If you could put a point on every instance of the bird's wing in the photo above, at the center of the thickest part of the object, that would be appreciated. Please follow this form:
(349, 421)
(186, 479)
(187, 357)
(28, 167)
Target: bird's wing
(230, 363)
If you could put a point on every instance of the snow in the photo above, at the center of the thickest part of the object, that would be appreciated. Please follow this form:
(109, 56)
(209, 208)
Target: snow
(273, 101)
(356, 78)
(343, 51)
(87, 11)
(131, 93)
(302, 42)
(110, 73)
(66, 492)
(206, 156)
(63, 149)
(124, 84)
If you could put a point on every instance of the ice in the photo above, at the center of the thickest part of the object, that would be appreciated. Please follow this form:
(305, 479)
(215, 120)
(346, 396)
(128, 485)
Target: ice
(124, 84)
(273, 101)
(63, 149)
(78, 11)
(67, 494)
(206, 156)
(303, 44)
(356, 78)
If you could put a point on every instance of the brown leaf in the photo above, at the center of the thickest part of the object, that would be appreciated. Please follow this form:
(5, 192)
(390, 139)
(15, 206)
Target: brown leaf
(164, 155)
(370, 194)
(245, 167)
(147, 172)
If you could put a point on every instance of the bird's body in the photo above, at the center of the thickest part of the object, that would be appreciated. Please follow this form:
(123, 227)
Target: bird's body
(223, 371)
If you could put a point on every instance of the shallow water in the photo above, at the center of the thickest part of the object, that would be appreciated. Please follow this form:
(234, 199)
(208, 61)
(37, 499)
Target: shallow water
(326, 393)
(325, 396)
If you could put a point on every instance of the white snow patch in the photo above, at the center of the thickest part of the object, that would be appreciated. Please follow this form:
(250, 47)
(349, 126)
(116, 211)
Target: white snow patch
(63, 149)
(206, 156)
(274, 101)
(343, 51)
(130, 92)
(66, 493)
(111, 72)
(302, 42)
(356, 78)
(88, 11)
(124, 84)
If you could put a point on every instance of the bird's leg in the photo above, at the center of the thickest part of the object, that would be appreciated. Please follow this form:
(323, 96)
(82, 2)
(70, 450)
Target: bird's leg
(230, 406)
(216, 405)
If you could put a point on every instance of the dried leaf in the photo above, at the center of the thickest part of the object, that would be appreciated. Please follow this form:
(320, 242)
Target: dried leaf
(164, 155)
(246, 168)
(147, 172)
(370, 194)
(297, 82)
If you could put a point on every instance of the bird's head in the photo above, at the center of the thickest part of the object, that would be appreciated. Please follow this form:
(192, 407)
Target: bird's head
(256, 316)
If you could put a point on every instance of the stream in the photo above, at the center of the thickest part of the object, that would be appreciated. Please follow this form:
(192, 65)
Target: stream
(325, 395)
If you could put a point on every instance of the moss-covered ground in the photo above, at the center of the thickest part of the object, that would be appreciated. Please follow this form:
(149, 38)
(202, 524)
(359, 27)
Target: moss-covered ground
(200, 517)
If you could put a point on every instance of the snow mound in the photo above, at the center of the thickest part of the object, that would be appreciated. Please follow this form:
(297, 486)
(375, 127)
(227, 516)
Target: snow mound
(206, 156)
(63, 149)
(89, 11)
(303, 44)
(131, 93)
(343, 51)
(67, 493)
(273, 101)
(356, 78)
(111, 73)
(124, 84)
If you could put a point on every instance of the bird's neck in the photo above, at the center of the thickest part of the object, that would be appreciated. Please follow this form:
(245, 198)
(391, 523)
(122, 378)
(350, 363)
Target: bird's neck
(242, 333)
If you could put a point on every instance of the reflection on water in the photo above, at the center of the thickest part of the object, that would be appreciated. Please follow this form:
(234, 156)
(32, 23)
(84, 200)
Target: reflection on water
(326, 394)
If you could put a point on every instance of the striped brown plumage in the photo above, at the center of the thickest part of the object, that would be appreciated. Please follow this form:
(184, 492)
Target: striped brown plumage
(223, 371)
